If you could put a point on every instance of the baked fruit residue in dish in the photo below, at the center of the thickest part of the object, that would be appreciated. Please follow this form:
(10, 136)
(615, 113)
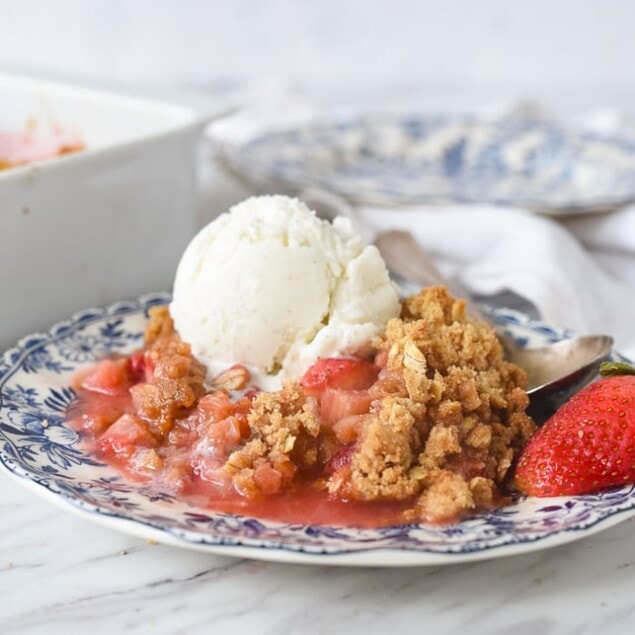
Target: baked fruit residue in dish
(424, 427)
(22, 148)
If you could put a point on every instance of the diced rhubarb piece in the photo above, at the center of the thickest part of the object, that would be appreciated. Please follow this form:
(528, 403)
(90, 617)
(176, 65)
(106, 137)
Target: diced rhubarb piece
(337, 404)
(98, 412)
(175, 477)
(209, 469)
(347, 429)
(145, 461)
(94, 423)
(124, 436)
(268, 479)
(215, 406)
(182, 435)
(108, 377)
(342, 373)
(286, 467)
(137, 367)
(226, 434)
(243, 405)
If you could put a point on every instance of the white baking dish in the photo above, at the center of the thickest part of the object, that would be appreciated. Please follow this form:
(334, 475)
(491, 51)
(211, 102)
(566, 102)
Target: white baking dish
(101, 225)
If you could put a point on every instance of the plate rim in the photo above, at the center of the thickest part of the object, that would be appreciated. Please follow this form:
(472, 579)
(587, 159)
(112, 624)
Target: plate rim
(383, 557)
(369, 556)
(237, 157)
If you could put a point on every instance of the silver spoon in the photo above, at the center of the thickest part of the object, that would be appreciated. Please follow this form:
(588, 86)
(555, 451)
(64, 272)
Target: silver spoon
(555, 371)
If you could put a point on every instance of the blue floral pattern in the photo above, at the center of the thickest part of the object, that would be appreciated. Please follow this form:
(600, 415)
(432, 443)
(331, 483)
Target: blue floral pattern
(36, 445)
(397, 159)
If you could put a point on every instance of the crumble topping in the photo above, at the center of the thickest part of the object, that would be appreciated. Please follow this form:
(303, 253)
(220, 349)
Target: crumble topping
(435, 426)
(178, 378)
(285, 427)
(452, 417)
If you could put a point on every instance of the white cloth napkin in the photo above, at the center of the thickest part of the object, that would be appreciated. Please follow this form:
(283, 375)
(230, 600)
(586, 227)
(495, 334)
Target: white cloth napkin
(578, 272)
(490, 249)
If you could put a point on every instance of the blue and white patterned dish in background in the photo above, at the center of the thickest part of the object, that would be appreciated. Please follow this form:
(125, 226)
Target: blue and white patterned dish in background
(409, 159)
(39, 449)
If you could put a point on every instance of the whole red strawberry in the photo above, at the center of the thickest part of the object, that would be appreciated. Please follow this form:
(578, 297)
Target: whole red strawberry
(588, 444)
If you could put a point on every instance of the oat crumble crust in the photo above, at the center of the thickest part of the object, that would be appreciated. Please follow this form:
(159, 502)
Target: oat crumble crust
(446, 420)
(179, 379)
(452, 398)
(285, 429)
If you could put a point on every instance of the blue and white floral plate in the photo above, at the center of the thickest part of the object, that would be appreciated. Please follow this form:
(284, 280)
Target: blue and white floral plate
(441, 159)
(38, 448)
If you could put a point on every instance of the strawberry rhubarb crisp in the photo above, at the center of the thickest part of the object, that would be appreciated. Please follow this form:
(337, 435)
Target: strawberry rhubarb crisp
(424, 427)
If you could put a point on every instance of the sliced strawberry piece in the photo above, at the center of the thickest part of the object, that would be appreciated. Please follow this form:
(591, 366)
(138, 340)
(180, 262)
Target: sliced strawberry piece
(252, 394)
(124, 437)
(340, 459)
(588, 445)
(140, 367)
(343, 373)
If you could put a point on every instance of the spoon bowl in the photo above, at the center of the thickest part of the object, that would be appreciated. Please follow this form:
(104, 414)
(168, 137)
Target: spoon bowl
(556, 371)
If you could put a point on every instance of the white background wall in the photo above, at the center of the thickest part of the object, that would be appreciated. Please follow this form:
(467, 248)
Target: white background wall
(536, 46)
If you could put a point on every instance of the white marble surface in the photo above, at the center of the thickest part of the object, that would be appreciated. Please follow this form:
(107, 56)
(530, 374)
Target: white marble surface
(62, 574)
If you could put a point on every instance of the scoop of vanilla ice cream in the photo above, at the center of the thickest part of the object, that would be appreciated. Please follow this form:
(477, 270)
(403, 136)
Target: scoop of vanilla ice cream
(273, 287)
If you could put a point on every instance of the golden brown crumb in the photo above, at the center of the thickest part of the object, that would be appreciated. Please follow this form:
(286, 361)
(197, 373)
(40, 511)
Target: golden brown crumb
(159, 323)
(285, 427)
(447, 497)
(178, 378)
(390, 435)
(447, 390)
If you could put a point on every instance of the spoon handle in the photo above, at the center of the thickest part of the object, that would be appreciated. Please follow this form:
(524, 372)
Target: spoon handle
(405, 256)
